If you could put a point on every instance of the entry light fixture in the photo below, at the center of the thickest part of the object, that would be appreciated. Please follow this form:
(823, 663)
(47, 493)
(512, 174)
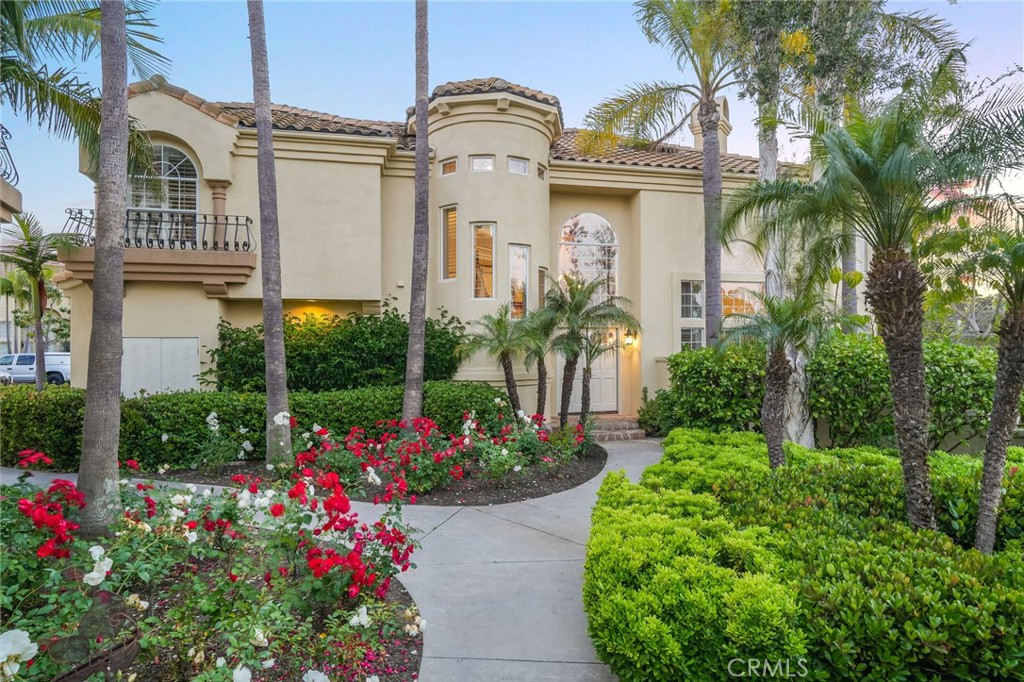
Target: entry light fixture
(629, 339)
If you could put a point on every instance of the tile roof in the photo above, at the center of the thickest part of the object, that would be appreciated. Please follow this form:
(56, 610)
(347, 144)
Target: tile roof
(479, 86)
(307, 120)
(664, 156)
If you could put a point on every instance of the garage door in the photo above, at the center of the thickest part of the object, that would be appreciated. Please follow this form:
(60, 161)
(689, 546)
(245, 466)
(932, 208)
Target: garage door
(156, 364)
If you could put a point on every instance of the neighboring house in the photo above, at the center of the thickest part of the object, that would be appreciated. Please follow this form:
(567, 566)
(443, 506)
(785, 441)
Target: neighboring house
(512, 202)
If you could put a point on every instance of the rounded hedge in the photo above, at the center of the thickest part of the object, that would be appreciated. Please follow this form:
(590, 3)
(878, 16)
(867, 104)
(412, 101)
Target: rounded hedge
(171, 428)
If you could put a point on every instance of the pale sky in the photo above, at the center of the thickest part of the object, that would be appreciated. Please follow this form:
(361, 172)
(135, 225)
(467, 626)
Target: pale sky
(356, 59)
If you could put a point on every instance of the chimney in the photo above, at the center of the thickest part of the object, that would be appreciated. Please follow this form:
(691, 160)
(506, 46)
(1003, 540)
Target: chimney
(724, 127)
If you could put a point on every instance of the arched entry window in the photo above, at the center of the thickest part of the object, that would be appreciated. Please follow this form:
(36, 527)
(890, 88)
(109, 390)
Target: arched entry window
(588, 248)
(163, 203)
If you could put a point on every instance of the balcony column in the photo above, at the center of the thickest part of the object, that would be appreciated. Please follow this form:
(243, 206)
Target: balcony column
(220, 222)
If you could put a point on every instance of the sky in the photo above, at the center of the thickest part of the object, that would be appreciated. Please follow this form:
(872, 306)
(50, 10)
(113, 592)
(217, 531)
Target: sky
(355, 59)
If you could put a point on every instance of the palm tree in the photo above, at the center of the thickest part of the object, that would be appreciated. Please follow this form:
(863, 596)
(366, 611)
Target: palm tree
(412, 400)
(30, 253)
(700, 37)
(880, 175)
(595, 344)
(579, 307)
(540, 329)
(279, 436)
(503, 338)
(98, 471)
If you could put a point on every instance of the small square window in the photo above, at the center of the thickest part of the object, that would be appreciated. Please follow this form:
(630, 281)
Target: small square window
(542, 172)
(449, 166)
(691, 300)
(692, 339)
(483, 162)
(518, 166)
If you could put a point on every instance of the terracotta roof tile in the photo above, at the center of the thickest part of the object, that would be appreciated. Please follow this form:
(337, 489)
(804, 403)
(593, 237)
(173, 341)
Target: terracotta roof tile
(307, 120)
(479, 86)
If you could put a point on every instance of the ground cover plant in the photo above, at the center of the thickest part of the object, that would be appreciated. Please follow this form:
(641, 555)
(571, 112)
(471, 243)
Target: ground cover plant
(713, 558)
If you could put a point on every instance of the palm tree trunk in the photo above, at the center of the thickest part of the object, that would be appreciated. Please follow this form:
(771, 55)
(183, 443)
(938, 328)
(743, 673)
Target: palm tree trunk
(568, 377)
(542, 386)
(97, 473)
(849, 265)
(773, 407)
(1003, 420)
(510, 383)
(708, 117)
(412, 400)
(895, 292)
(37, 309)
(588, 372)
(279, 436)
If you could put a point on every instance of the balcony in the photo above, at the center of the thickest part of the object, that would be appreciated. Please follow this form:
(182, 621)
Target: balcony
(10, 197)
(168, 246)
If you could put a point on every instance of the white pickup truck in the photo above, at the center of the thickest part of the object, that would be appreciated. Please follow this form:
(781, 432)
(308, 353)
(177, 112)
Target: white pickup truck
(22, 367)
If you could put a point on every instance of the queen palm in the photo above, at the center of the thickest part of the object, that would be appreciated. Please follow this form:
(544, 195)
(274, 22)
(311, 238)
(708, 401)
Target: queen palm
(700, 37)
(540, 330)
(577, 308)
(503, 338)
(879, 176)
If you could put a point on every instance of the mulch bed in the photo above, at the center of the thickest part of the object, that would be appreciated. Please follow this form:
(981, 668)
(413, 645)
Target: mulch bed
(471, 490)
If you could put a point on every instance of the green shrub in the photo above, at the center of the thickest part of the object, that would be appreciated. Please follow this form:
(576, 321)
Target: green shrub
(51, 421)
(714, 557)
(334, 353)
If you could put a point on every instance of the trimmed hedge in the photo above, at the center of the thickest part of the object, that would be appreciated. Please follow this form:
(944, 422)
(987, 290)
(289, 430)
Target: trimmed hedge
(713, 557)
(51, 421)
(722, 390)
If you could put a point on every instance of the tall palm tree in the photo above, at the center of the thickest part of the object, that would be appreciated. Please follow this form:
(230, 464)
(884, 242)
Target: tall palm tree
(412, 400)
(503, 338)
(31, 251)
(540, 330)
(579, 307)
(880, 175)
(98, 474)
(700, 37)
(279, 436)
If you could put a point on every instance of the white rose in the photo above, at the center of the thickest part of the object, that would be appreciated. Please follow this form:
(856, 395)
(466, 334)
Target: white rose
(96, 552)
(180, 500)
(315, 676)
(517, 468)
(260, 639)
(93, 578)
(282, 419)
(191, 537)
(372, 476)
(16, 647)
(220, 662)
(360, 619)
(269, 663)
(241, 674)
(163, 438)
(247, 446)
(243, 430)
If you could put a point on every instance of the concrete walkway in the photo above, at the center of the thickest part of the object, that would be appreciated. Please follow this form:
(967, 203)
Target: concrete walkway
(501, 586)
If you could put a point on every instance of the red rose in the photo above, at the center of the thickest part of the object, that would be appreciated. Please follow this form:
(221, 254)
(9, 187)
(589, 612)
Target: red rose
(277, 510)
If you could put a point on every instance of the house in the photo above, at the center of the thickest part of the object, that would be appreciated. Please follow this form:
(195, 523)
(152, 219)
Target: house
(513, 202)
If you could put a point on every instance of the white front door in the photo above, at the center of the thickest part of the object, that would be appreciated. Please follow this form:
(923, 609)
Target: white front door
(604, 384)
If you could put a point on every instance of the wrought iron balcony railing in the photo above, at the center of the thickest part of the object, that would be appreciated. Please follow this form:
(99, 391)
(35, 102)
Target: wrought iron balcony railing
(169, 229)
(7, 170)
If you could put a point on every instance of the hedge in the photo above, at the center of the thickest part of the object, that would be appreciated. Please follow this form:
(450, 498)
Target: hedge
(51, 421)
(714, 558)
(722, 390)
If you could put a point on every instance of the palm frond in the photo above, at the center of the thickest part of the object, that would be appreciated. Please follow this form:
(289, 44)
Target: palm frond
(638, 114)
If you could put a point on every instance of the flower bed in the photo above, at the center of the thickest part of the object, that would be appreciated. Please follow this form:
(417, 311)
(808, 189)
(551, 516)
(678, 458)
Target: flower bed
(715, 567)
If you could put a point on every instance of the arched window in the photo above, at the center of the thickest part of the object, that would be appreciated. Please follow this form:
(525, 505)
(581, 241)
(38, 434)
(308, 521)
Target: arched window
(588, 248)
(163, 203)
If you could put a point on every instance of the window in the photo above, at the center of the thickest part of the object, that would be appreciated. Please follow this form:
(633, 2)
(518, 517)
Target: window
(518, 276)
(26, 360)
(739, 298)
(518, 166)
(483, 261)
(588, 249)
(691, 300)
(692, 338)
(542, 171)
(165, 200)
(542, 284)
(449, 166)
(6, 360)
(449, 243)
(482, 162)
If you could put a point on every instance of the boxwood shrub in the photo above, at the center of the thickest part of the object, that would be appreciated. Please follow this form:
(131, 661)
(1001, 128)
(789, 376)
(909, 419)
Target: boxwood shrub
(51, 421)
(713, 559)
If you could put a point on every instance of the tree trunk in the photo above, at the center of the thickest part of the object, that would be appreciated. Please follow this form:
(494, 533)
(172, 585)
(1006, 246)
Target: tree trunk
(568, 377)
(1002, 422)
(585, 394)
(97, 473)
(542, 386)
(279, 436)
(773, 407)
(799, 424)
(708, 117)
(37, 309)
(412, 400)
(895, 292)
(849, 265)
(510, 383)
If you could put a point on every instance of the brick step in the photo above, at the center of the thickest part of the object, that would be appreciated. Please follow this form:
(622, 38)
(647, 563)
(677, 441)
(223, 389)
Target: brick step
(619, 434)
(616, 425)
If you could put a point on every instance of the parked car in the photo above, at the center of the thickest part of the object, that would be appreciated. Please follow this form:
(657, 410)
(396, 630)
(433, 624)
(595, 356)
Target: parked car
(6, 379)
(22, 367)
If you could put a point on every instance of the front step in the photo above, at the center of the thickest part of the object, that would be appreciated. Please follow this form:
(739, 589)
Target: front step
(613, 427)
(618, 434)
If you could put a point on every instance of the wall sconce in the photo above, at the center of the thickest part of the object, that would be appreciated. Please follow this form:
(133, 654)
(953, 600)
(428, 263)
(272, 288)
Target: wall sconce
(629, 339)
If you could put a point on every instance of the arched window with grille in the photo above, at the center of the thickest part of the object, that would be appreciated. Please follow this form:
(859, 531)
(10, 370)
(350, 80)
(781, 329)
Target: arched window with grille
(163, 203)
(588, 248)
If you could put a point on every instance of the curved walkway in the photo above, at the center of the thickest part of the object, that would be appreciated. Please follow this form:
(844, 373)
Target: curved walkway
(501, 586)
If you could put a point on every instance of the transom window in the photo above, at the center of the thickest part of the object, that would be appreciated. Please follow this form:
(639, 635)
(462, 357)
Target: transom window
(588, 249)
(449, 166)
(481, 162)
(518, 166)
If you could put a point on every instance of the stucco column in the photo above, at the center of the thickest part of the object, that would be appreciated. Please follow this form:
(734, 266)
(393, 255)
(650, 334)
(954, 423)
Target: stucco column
(220, 223)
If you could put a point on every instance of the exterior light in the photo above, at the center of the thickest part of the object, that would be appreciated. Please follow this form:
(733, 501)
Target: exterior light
(629, 339)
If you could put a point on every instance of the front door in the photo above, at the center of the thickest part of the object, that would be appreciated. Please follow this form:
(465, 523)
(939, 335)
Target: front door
(604, 384)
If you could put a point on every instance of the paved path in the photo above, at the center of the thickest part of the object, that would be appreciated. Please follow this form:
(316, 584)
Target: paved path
(501, 586)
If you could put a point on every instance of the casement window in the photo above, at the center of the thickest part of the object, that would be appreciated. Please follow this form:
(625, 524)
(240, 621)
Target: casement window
(449, 166)
(542, 171)
(449, 242)
(481, 162)
(691, 301)
(691, 338)
(483, 260)
(518, 278)
(518, 165)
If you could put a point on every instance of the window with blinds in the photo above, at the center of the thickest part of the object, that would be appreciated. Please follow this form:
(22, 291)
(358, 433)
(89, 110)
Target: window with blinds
(449, 243)
(483, 260)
